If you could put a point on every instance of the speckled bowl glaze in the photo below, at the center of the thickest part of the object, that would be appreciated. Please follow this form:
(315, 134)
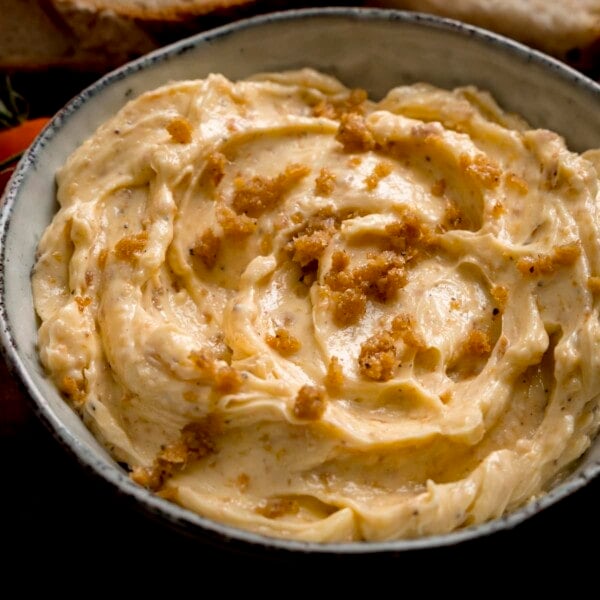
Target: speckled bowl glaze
(367, 48)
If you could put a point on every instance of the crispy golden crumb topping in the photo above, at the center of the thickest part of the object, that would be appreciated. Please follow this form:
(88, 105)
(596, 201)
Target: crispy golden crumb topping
(207, 248)
(82, 302)
(377, 359)
(255, 195)
(482, 169)
(215, 167)
(478, 343)
(75, 389)
(310, 403)
(196, 441)
(235, 225)
(334, 378)
(353, 133)
(380, 171)
(128, 248)
(283, 341)
(546, 264)
(325, 182)
(180, 130)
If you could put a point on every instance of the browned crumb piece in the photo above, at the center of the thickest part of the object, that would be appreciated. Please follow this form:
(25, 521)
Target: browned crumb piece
(147, 477)
(534, 265)
(339, 261)
(545, 264)
(215, 167)
(207, 248)
(309, 244)
(478, 343)
(196, 441)
(180, 130)
(403, 328)
(325, 109)
(74, 389)
(309, 247)
(199, 437)
(258, 194)
(381, 170)
(129, 247)
(334, 110)
(354, 134)
(594, 284)
(325, 182)
(227, 380)
(348, 306)
(497, 210)
(334, 379)
(102, 257)
(439, 187)
(283, 342)
(356, 99)
(500, 295)
(277, 507)
(377, 358)
(376, 277)
(224, 379)
(482, 169)
(382, 276)
(233, 224)
(566, 254)
(516, 182)
(243, 481)
(310, 403)
(89, 278)
(82, 302)
(407, 232)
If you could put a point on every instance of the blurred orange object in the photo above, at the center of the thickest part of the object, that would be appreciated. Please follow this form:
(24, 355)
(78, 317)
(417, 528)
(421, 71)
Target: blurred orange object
(14, 141)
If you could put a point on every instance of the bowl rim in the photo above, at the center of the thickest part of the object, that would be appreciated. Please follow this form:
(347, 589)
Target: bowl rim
(178, 516)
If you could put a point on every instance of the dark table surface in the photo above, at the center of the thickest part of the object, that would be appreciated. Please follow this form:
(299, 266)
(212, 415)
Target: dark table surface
(53, 511)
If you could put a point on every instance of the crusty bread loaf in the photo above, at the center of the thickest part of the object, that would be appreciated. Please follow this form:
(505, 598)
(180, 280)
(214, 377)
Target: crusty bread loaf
(97, 35)
(156, 10)
(568, 29)
(35, 35)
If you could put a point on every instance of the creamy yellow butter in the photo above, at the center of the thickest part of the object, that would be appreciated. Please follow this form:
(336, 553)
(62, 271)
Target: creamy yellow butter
(314, 316)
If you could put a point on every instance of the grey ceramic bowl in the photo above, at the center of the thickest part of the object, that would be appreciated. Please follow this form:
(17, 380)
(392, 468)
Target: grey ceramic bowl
(367, 48)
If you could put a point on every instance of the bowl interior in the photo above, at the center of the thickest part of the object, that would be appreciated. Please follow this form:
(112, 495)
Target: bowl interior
(376, 50)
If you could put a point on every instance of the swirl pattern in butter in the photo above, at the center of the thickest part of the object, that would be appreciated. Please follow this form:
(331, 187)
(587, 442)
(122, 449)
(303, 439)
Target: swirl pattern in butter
(311, 315)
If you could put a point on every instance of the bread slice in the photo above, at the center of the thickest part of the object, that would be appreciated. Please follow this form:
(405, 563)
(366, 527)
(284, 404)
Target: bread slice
(156, 10)
(98, 35)
(35, 35)
(568, 29)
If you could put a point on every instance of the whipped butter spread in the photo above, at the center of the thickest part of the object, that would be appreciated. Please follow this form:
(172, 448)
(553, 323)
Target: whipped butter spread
(307, 314)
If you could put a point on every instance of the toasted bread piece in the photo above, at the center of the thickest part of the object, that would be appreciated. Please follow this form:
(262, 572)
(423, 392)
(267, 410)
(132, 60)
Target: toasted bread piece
(568, 29)
(156, 10)
(35, 35)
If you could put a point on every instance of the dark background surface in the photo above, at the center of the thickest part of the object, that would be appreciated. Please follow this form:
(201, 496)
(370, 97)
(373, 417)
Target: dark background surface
(55, 514)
